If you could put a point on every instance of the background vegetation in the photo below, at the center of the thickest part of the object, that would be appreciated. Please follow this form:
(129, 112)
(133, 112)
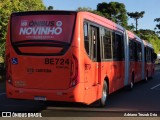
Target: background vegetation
(114, 11)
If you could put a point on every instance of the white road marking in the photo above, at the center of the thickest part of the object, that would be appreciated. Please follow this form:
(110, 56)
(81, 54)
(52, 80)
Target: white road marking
(155, 86)
(2, 93)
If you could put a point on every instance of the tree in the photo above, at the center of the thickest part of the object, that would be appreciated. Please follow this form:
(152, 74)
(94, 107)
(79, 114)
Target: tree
(87, 9)
(114, 11)
(157, 28)
(50, 8)
(131, 27)
(9, 6)
(151, 37)
(136, 16)
(145, 33)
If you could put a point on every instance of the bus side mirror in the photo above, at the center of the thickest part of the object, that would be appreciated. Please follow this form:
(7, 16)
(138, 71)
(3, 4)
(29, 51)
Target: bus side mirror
(154, 56)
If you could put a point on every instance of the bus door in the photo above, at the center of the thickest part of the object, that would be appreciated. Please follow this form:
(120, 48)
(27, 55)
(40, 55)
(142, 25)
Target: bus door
(95, 53)
(92, 65)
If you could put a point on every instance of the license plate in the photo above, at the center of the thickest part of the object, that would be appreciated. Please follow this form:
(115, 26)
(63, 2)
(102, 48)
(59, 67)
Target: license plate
(40, 98)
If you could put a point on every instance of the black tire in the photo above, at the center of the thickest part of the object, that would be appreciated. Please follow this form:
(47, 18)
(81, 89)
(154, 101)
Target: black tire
(130, 86)
(146, 78)
(103, 100)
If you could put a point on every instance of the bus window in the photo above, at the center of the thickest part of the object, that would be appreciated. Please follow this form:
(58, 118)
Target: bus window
(131, 50)
(139, 50)
(145, 54)
(86, 38)
(148, 55)
(107, 44)
(135, 51)
(114, 45)
(152, 55)
(94, 39)
(118, 47)
(30, 34)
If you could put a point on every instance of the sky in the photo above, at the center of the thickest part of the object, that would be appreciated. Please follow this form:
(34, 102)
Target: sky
(151, 8)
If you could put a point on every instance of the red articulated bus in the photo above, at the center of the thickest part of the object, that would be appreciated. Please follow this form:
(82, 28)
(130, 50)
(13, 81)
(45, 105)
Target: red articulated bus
(70, 56)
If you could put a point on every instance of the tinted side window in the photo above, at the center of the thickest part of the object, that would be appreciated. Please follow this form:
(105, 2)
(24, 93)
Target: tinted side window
(94, 39)
(136, 51)
(107, 44)
(86, 38)
(139, 52)
(118, 47)
(152, 54)
(114, 45)
(131, 50)
(148, 54)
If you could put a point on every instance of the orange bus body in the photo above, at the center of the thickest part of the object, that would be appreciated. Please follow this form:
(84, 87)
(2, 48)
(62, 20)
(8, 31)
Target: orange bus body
(73, 64)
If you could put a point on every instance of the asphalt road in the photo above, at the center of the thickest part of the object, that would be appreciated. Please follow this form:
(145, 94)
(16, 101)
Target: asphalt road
(143, 99)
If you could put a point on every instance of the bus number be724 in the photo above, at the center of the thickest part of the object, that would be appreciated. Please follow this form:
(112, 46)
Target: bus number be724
(57, 61)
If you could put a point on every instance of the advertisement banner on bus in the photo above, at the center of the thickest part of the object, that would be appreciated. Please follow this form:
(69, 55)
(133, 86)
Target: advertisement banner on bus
(42, 27)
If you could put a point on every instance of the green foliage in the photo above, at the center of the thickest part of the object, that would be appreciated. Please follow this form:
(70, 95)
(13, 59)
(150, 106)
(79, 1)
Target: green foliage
(87, 9)
(155, 41)
(50, 8)
(151, 37)
(9, 6)
(114, 11)
(136, 16)
(157, 28)
(144, 34)
(131, 27)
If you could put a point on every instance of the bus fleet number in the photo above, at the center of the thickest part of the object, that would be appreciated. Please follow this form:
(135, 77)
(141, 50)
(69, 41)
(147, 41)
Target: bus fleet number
(57, 61)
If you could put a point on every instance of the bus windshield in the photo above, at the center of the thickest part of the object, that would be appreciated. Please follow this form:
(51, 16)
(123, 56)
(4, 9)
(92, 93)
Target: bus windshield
(42, 27)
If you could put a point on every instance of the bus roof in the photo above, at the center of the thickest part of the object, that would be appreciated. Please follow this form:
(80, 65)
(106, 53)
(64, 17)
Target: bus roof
(103, 21)
(133, 36)
(147, 44)
(44, 12)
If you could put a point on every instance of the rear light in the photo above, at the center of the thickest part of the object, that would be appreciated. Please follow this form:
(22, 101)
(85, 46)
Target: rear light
(8, 69)
(74, 72)
(9, 81)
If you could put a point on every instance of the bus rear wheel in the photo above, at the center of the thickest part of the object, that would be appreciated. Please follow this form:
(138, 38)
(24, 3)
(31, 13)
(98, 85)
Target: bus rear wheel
(130, 86)
(146, 78)
(103, 100)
